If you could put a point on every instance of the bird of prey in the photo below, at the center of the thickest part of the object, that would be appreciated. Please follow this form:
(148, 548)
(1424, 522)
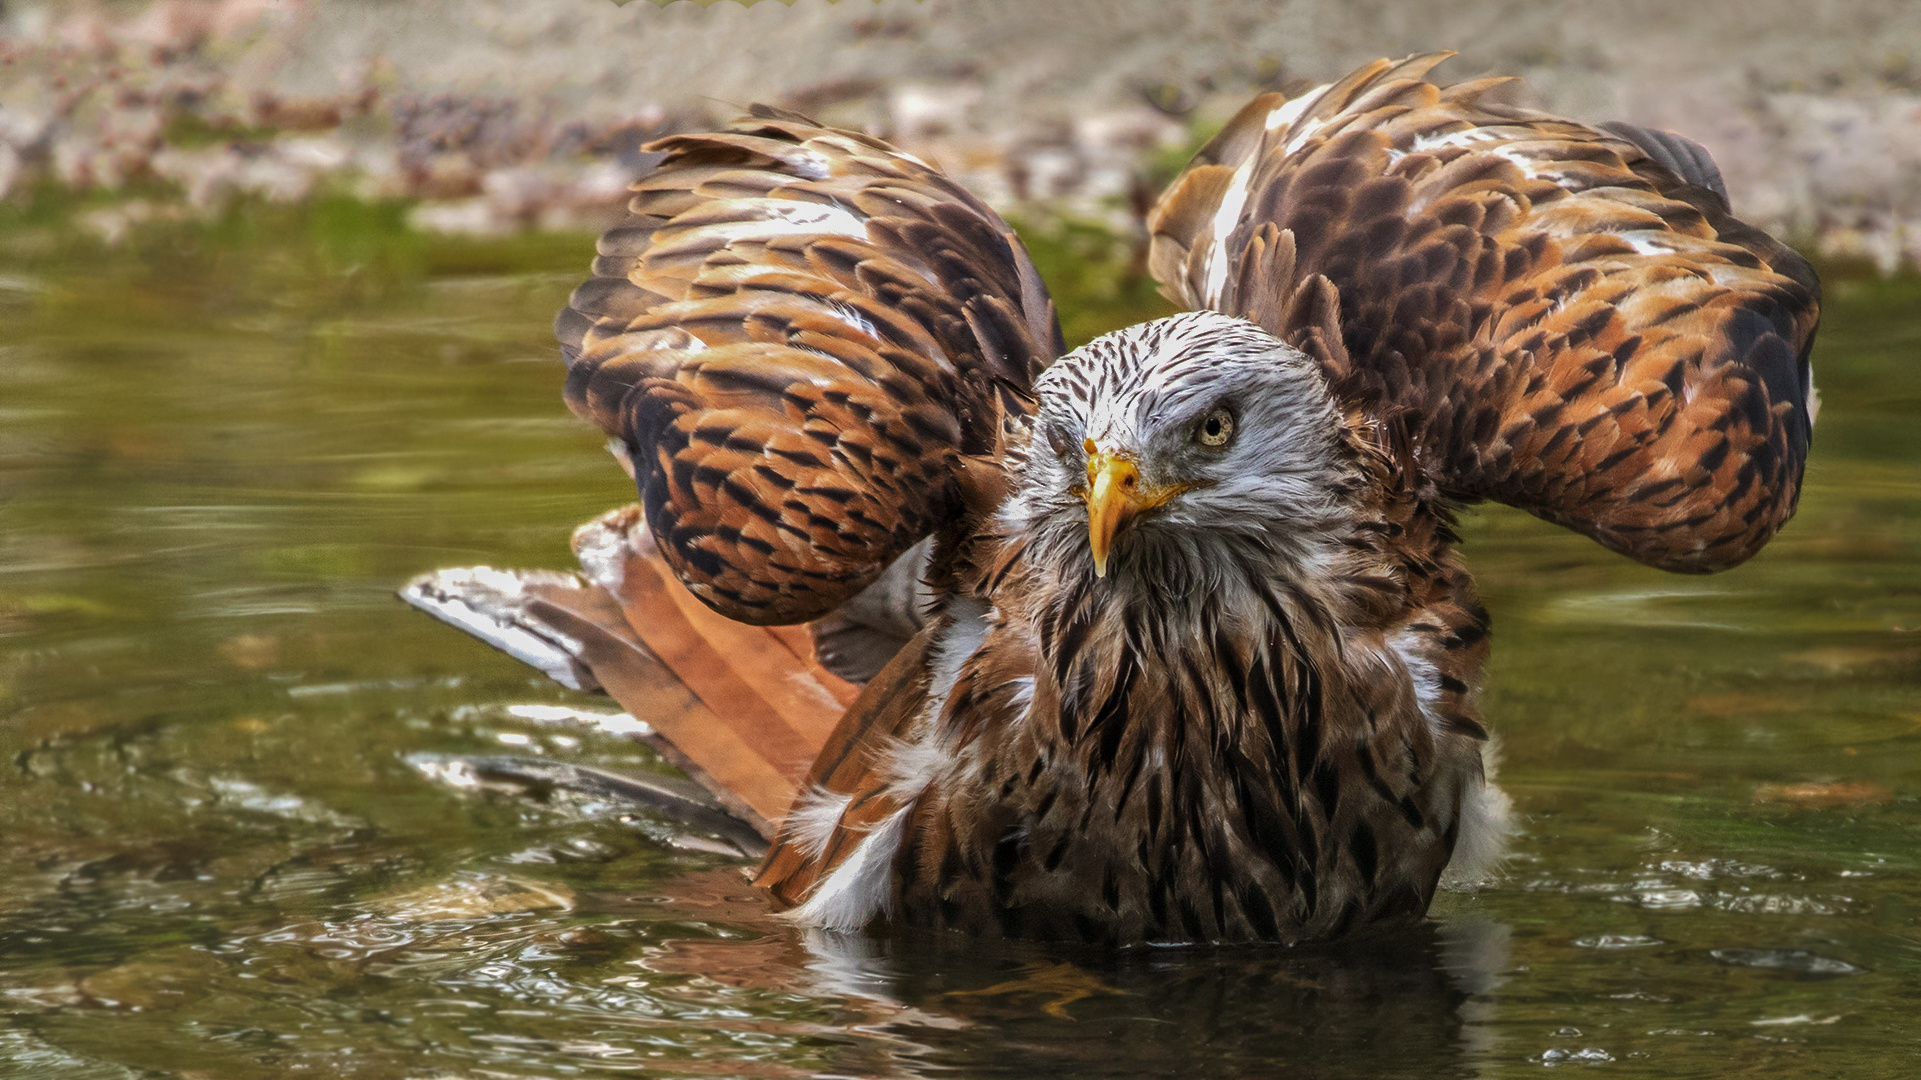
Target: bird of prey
(1165, 639)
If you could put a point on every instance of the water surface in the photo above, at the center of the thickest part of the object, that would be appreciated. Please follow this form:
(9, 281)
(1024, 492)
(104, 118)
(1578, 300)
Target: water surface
(221, 448)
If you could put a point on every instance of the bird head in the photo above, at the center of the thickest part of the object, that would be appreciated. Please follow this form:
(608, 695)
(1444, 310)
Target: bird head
(1157, 441)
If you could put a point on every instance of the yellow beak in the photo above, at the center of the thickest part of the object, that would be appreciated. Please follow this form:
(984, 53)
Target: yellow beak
(1113, 498)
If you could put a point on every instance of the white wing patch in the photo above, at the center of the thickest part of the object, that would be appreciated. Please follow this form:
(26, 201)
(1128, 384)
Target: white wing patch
(1464, 137)
(814, 817)
(961, 639)
(1022, 697)
(1525, 162)
(1487, 814)
(860, 887)
(1228, 214)
(761, 218)
(1291, 109)
(1486, 826)
(1424, 675)
(862, 323)
(1649, 241)
(1226, 217)
(1291, 112)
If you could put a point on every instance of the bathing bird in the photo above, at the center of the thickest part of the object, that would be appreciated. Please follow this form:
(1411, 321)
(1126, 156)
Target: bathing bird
(1166, 638)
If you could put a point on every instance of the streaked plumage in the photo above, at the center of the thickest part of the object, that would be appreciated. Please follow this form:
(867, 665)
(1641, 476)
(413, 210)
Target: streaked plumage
(1260, 723)
(1576, 329)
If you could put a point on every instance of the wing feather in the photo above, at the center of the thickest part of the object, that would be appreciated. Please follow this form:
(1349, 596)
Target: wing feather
(1571, 318)
(800, 335)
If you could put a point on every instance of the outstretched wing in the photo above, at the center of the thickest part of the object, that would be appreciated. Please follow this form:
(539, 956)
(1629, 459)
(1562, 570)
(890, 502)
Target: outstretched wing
(809, 344)
(1572, 320)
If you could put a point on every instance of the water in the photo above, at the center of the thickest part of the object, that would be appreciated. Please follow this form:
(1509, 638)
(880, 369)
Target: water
(221, 448)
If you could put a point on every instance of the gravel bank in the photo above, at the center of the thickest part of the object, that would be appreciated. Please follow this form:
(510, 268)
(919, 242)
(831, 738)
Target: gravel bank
(499, 115)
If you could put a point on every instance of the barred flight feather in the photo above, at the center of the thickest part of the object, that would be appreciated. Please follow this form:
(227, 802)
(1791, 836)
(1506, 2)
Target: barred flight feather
(1580, 324)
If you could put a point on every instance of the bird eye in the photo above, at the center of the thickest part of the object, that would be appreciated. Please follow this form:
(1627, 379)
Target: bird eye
(1059, 441)
(1217, 429)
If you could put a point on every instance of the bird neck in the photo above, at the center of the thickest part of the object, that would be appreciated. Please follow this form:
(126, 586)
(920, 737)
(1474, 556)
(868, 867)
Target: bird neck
(1192, 620)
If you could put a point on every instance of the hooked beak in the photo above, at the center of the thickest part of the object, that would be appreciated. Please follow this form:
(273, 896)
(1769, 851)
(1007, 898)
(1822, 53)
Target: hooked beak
(1114, 496)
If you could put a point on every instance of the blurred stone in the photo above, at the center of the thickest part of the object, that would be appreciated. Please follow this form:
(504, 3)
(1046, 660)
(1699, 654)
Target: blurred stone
(468, 217)
(1051, 109)
(474, 896)
(1824, 795)
(1841, 659)
(251, 651)
(441, 175)
(232, 18)
(164, 979)
(113, 224)
(169, 26)
(921, 111)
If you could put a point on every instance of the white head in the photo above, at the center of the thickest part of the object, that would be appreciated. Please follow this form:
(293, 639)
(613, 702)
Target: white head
(1161, 440)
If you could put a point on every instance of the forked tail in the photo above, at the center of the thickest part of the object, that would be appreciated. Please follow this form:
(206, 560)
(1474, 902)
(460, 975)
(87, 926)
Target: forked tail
(743, 710)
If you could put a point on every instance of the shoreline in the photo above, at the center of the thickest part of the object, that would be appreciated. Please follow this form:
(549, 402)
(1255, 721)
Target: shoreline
(492, 119)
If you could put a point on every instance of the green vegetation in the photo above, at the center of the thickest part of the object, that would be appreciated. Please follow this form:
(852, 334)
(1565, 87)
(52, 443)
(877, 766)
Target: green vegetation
(357, 250)
(1099, 280)
(186, 130)
(334, 241)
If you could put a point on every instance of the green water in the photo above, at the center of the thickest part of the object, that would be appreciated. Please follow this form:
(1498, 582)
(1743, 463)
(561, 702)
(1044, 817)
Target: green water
(222, 448)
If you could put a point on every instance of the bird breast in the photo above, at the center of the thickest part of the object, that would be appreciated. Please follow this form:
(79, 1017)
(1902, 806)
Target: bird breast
(1211, 769)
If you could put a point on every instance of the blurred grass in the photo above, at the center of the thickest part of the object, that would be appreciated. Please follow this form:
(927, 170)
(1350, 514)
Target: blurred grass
(1098, 279)
(360, 252)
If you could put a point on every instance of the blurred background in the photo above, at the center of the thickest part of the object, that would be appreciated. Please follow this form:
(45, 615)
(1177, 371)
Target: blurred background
(275, 287)
(501, 115)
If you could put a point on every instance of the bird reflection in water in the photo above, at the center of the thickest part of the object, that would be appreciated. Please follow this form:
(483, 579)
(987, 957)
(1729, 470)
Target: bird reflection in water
(942, 1000)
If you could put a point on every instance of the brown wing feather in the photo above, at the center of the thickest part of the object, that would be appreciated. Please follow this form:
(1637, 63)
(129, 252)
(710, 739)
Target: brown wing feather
(798, 336)
(1572, 327)
(745, 710)
(848, 770)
